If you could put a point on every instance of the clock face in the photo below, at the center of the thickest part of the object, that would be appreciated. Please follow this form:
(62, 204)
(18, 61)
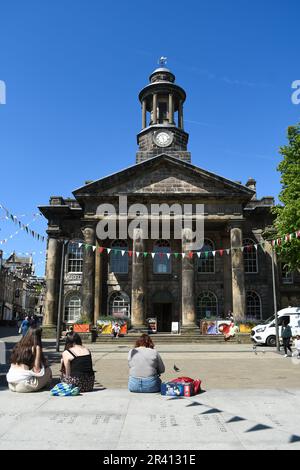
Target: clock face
(163, 139)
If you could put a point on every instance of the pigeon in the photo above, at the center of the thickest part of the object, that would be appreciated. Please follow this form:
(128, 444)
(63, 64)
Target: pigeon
(254, 350)
(176, 368)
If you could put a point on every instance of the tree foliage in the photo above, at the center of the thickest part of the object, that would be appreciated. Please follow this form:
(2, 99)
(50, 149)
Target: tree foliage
(288, 212)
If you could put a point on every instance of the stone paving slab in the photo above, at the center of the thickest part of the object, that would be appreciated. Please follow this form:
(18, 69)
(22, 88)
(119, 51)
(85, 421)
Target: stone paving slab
(117, 419)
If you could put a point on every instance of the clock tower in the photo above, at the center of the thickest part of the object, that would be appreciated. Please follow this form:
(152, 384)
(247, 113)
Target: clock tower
(162, 117)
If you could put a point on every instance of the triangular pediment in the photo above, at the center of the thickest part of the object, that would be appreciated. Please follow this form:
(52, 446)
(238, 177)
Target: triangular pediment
(164, 175)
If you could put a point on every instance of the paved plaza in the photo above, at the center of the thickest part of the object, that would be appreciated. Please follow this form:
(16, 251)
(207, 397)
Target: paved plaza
(249, 401)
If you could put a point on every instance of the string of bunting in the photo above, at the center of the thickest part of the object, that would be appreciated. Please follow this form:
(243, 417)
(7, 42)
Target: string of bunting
(26, 253)
(190, 254)
(22, 226)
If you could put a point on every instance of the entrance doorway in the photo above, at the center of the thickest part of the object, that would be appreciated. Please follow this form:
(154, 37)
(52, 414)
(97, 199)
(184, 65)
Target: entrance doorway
(163, 313)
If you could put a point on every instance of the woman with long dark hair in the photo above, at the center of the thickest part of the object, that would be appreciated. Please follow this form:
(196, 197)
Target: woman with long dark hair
(145, 367)
(77, 366)
(28, 371)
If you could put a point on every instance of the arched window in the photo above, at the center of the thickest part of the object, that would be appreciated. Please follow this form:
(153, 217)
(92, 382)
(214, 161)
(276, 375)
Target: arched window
(253, 305)
(162, 262)
(119, 261)
(207, 305)
(206, 261)
(75, 257)
(250, 256)
(119, 304)
(72, 308)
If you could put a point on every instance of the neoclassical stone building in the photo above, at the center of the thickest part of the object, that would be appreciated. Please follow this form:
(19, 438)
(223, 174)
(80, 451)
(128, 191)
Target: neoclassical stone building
(184, 289)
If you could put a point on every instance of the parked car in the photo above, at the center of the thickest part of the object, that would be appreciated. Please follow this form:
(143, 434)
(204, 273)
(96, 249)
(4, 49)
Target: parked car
(265, 333)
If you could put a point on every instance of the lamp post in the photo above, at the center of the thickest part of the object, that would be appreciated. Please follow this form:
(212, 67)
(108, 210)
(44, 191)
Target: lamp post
(60, 295)
(275, 300)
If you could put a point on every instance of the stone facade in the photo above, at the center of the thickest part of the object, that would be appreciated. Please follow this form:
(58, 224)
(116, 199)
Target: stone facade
(178, 289)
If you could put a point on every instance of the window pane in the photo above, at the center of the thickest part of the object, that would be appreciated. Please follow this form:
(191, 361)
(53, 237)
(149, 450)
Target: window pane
(75, 258)
(206, 262)
(250, 256)
(162, 264)
(119, 263)
(72, 309)
(207, 305)
(119, 304)
(253, 305)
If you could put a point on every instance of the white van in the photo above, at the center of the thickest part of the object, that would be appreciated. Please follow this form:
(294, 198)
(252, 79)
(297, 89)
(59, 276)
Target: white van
(266, 333)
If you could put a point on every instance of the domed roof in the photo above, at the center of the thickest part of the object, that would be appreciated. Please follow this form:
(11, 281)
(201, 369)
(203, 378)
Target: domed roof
(162, 74)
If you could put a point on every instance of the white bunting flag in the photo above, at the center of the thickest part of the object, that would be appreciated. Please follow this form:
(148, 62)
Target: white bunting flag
(79, 245)
(108, 250)
(137, 254)
(94, 248)
(214, 253)
(168, 255)
(228, 251)
(152, 254)
(123, 252)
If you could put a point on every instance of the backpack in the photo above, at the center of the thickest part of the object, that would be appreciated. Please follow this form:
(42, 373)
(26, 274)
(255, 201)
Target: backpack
(187, 380)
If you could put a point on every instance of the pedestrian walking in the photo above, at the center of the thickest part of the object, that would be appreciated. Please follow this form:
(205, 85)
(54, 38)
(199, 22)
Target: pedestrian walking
(25, 325)
(286, 335)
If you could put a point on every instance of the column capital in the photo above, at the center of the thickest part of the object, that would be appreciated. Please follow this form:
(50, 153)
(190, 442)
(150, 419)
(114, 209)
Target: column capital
(89, 234)
(239, 223)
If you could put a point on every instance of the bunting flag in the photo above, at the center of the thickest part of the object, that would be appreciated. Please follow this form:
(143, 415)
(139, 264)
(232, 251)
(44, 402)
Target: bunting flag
(22, 226)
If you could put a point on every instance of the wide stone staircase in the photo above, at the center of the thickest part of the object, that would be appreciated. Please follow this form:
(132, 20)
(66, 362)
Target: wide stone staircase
(167, 338)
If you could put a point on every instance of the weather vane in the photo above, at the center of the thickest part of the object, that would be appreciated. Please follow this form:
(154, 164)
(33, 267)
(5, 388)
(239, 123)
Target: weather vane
(162, 60)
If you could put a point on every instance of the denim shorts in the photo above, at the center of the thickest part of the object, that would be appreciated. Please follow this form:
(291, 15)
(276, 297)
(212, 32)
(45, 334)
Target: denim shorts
(144, 384)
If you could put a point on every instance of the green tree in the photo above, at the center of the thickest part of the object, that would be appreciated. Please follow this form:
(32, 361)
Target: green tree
(288, 213)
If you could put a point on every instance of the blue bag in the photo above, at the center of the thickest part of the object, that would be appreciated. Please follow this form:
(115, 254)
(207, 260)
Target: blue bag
(64, 390)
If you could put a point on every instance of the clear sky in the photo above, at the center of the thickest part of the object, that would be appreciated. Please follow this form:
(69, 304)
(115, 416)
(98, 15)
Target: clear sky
(73, 70)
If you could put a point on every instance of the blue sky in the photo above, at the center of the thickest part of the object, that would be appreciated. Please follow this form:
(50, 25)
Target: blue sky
(73, 70)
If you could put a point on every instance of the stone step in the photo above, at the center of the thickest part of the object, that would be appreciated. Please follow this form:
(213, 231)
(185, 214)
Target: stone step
(168, 338)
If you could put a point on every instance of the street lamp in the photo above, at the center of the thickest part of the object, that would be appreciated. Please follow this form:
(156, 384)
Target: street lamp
(275, 300)
(60, 295)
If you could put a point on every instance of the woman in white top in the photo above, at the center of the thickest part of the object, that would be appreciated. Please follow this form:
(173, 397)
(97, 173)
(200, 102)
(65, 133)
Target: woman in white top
(145, 367)
(28, 371)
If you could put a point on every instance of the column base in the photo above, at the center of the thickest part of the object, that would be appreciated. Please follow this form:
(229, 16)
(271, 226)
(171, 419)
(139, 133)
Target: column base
(49, 331)
(190, 330)
(139, 329)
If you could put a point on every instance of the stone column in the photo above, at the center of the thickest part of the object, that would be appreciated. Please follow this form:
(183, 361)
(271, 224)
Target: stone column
(88, 274)
(188, 284)
(238, 278)
(171, 109)
(52, 289)
(138, 282)
(144, 115)
(98, 283)
(154, 110)
(180, 115)
(226, 260)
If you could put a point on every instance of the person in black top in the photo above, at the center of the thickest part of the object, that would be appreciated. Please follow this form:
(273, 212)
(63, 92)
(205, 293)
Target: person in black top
(77, 367)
